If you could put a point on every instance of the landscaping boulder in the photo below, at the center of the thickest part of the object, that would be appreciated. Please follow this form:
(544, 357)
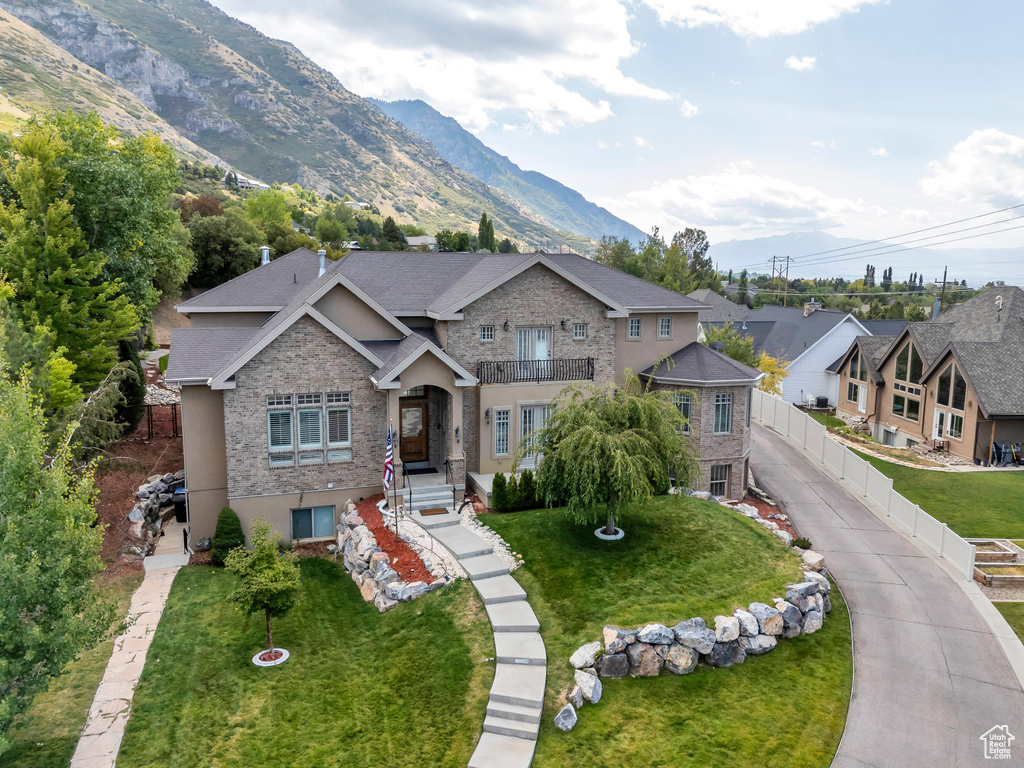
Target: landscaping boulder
(681, 660)
(694, 633)
(383, 602)
(137, 515)
(824, 585)
(812, 622)
(576, 696)
(179, 475)
(727, 629)
(786, 536)
(817, 603)
(369, 589)
(703, 495)
(590, 686)
(813, 561)
(755, 646)
(616, 639)
(726, 654)
(747, 510)
(748, 624)
(769, 620)
(414, 589)
(656, 634)
(566, 718)
(395, 590)
(644, 660)
(585, 655)
(826, 603)
(613, 665)
(792, 618)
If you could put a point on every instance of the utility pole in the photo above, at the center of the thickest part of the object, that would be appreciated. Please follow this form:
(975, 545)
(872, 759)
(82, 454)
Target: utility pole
(942, 296)
(780, 269)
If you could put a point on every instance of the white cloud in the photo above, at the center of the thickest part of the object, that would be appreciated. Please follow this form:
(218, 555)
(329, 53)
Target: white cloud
(733, 203)
(641, 142)
(735, 82)
(602, 144)
(469, 59)
(754, 18)
(804, 64)
(987, 161)
(823, 145)
(880, 152)
(688, 110)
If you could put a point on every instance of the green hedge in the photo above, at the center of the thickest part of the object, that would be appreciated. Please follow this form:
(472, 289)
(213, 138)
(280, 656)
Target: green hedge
(227, 536)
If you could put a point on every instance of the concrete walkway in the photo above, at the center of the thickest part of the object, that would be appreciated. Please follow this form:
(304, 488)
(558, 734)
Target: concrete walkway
(520, 673)
(108, 716)
(930, 676)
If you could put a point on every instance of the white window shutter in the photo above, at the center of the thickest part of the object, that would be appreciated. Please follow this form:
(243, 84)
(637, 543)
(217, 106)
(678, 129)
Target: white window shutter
(338, 426)
(280, 429)
(310, 428)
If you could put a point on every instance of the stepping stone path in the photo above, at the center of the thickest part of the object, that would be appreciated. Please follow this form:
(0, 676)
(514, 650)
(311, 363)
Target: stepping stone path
(101, 738)
(520, 674)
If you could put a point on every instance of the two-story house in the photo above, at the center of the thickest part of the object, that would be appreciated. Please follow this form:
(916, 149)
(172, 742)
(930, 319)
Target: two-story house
(955, 382)
(291, 373)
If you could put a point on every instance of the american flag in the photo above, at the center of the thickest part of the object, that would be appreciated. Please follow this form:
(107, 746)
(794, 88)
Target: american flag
(389, 463)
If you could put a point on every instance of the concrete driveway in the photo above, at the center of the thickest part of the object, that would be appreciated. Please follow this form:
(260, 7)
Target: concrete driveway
(930, 677)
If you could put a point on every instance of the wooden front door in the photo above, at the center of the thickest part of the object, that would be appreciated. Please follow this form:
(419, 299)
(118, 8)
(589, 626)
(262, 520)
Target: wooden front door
(414, 433)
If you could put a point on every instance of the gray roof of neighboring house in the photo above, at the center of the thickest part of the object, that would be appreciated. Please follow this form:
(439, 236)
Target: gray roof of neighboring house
(631, 292)
(884, 327)
(721, 308)
(697, 364)
(792, 332)
(200, 353)
(417, 240)
(873, 348)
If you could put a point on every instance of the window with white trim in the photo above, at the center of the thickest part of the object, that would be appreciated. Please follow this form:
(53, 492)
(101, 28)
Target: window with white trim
(501, 437)
(339, 427)
(338, 398)
(486, 333)
(279, 430)
(723, 413)
(313, 398)
(853, 392)
(719, 479)
(279, 401)
(956, 426)
(634, 328)
(684, 404)
(312, 522)
(579, 331)
(664, 327)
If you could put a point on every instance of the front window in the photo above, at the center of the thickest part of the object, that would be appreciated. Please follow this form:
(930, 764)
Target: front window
(956, 426)
(952, 388)
(486, 333)
(279, 430)
(684, 403)
(579, 331)
(501, 433)
(719, 479)
(634, 327)
(664, 327)
(858, 370)
(311, 434)
(852, 392)
(723, 414)
(908, 365)
(532, 418)
(533, 343)
(312, 522)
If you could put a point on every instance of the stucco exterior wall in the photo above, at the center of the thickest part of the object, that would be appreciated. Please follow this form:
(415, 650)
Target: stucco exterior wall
(305, 358)
(202, 428)
(353, 316)
(641, 354)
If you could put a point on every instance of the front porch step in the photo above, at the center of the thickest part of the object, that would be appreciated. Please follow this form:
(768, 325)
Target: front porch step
(516, 728)
(433, 522)
(520, 648)
(461, 542)
(514, 712)
(512, 617)
(500, 589)
(497, 751)
(484, 567)
(521, 684)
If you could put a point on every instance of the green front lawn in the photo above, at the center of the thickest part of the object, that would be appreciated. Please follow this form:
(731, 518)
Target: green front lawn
(830, 421)
(974, 504)
(406, 688)
(1014, 615)
(687, 558)
(46, 734)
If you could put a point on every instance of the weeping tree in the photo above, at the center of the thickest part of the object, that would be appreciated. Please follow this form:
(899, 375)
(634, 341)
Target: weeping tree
(267, 580)
(606, 449)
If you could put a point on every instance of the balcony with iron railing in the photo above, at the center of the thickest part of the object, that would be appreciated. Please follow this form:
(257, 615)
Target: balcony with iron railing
(533, 371)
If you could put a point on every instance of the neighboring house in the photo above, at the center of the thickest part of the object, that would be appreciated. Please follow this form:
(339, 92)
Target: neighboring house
(808, 340)
(955, 382)
(422, 241)
(244, 182)
(291, 373)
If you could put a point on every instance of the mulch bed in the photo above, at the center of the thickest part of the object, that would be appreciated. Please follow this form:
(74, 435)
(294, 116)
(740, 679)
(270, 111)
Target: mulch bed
(407, 563)
(764, 509)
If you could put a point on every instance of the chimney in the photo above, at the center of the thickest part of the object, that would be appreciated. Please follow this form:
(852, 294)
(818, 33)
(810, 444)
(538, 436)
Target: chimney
(323, 261)
(264, 255)
(810, 306)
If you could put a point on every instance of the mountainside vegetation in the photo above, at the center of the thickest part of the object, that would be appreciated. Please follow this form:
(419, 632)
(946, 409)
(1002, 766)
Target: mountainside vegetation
(267, 110)
(564, 207)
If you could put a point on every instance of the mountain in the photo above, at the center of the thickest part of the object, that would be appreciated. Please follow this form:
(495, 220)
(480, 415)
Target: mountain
(564, 207)
(39, 76)
(270, 112)
(820, 255)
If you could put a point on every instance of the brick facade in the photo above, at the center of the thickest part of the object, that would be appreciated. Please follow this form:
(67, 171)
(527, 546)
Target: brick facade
(305, 358)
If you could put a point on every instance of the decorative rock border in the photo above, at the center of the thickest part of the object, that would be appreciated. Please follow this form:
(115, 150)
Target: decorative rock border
(646, 651)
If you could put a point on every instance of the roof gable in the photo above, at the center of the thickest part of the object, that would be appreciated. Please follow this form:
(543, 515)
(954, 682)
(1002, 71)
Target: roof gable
(699, 365)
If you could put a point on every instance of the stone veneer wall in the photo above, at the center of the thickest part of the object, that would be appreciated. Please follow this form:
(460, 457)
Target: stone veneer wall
(304, 358)
(538, 296)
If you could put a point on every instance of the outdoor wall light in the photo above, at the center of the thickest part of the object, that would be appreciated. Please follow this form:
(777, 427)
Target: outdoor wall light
(457, 438)
(564, 325)
(487, 415)
(505, 326)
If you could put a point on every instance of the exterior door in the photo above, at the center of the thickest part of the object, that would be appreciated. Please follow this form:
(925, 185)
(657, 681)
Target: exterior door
(939, 424)
(531, 419)
(862, 398)
(533, 351)
(414, 433)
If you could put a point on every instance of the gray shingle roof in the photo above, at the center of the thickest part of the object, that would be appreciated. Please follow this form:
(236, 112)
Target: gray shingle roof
(631, 292)
(201, 353)
(721, 308)
(884, 327)
(873, 348)
(701, 365)
(793, 333)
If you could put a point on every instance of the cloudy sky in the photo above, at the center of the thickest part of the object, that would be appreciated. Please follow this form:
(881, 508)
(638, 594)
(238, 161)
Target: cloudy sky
(746, 118)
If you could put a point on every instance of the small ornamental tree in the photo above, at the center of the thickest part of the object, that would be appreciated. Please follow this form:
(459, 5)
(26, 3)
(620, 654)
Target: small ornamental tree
(606, 449)
(527, 490)
(267, 580)
(513, 493)
(774, 371)
(499, 493)
(227, 536)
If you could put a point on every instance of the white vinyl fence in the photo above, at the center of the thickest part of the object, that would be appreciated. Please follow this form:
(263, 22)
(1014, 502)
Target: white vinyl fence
(879, 496)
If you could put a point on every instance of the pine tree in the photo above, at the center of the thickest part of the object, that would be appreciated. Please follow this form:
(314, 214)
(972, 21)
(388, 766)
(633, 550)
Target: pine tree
(56, 279)
(485, 233)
